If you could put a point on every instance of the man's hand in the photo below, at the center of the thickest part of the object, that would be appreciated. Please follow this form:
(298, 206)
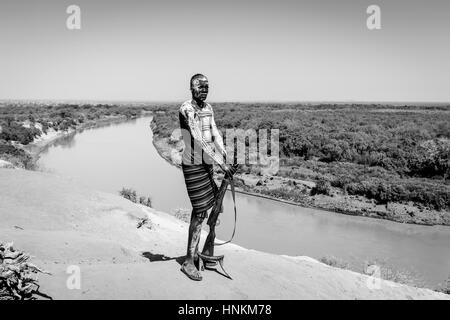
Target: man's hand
(228, 170)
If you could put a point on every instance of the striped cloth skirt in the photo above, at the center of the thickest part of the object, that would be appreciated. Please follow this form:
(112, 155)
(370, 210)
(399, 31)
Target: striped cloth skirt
(200, 185)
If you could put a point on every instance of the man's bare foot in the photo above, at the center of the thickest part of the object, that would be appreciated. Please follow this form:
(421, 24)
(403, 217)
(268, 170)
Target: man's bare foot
(189, 269)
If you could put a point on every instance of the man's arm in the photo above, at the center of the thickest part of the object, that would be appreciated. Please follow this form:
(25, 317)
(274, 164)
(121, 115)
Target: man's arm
(218, 141)
(188, 113)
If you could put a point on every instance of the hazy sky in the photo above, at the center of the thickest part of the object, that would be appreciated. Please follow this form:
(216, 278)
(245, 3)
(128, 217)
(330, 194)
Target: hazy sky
(250, 50)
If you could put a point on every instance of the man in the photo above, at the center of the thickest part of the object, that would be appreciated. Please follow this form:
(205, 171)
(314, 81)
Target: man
(203, 146)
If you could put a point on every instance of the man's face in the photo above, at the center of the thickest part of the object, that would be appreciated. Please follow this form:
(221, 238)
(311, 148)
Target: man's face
(200, 89)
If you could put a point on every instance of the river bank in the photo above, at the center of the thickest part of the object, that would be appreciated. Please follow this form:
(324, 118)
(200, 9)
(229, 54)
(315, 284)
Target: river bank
(298, 192)
(71, 230)
(45, 140)
(27, 128)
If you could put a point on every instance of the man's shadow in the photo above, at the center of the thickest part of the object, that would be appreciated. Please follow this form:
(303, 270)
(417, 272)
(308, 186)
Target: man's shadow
(154, 257)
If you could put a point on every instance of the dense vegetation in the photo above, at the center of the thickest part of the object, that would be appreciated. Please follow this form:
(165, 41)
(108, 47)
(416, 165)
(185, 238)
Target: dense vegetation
(385, 153)
(58, 117)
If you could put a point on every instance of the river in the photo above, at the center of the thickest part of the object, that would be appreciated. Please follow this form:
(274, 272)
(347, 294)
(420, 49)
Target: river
(123, 155)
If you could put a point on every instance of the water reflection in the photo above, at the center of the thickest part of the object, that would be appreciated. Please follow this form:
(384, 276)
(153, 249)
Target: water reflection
(66, 142)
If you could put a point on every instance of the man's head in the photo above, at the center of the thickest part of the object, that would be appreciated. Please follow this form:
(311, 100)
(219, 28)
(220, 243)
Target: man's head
(199, 87)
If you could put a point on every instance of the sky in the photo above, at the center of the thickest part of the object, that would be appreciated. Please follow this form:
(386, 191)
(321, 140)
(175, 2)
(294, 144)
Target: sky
(277, 50)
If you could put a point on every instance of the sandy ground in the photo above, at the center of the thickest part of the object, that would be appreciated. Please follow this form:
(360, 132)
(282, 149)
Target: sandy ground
(70, 228)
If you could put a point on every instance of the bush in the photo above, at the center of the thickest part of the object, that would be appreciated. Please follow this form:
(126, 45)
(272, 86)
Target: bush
(145, 201)
(321, 187)
(131, 195)
(445, 287)
(285, 193)
(17, 157)
(334, 262)
(16, 132)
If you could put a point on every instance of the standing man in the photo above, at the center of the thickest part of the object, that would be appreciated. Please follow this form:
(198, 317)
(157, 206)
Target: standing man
(203, 146)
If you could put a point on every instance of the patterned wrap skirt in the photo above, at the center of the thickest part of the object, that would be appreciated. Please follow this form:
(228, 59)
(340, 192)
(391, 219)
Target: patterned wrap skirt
(200, 185)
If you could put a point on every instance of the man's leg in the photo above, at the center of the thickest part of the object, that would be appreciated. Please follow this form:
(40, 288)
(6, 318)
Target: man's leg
(195, 229)
(196, 223)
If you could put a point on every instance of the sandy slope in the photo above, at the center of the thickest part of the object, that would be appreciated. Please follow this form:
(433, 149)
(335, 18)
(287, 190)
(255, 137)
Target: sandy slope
(62, 224)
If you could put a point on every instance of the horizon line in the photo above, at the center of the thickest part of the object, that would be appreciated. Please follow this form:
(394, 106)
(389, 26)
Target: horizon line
(107, 101)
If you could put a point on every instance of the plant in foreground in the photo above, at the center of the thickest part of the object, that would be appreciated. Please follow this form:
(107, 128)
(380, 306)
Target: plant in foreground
(17, 281)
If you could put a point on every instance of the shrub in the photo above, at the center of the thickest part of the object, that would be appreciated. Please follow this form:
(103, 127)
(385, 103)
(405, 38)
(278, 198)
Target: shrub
(445, 287)
(18, 157)
(145, 201)
(16, 132)
(321, 187)
(129, 194)
(335, 262)
(285, 193)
